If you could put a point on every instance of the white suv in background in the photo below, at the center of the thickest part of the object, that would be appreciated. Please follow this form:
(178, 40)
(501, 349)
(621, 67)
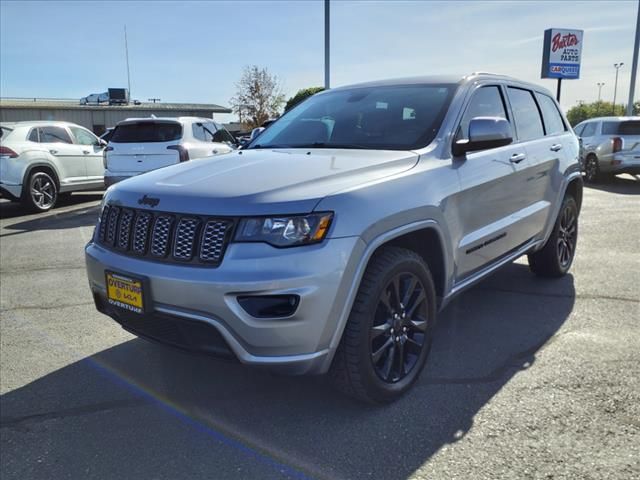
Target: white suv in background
(40, 160)
(139, 145)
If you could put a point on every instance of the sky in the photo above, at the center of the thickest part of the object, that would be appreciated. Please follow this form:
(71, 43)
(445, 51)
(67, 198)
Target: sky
(195, 51)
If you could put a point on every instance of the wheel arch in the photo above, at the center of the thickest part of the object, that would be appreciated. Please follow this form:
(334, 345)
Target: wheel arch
(575, 187)
(41, 166)
(407, 236)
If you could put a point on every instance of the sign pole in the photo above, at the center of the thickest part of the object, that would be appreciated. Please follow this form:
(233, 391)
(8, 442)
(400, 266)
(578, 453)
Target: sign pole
(634, 67)
(558, 90)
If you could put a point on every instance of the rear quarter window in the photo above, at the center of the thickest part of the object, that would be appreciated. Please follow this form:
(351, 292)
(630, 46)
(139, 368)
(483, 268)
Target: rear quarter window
(553, 122)
(629, 127)
(525, 114)
(147, 132)
(4, 132)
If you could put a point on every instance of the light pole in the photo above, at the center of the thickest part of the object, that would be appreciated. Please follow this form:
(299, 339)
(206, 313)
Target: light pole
(600, 85)
(617, 66)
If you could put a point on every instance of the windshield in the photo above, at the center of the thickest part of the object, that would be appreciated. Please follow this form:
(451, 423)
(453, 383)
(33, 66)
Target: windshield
(398, 117)
(143, 132)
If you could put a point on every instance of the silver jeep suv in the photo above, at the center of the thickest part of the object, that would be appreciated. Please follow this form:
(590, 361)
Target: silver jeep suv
(330, 243)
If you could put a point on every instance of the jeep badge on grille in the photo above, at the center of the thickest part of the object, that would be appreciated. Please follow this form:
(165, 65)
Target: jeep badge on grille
(152, 202)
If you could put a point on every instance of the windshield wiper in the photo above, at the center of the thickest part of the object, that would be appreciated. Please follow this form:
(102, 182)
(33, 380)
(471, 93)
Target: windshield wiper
(259, 145)
(330, 145)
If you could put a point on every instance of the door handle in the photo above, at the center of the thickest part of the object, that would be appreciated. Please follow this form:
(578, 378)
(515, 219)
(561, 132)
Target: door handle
(517, 157)
(86, 152)
(53, 152)
(556, 147)
(215, 152)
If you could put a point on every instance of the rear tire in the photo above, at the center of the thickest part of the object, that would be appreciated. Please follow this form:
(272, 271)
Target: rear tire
(41, 192)
(387, 339)
(592, 172)
(556, 257)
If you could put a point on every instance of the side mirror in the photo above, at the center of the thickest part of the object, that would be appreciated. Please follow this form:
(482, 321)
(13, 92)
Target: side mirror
(484, 133)
(255, 133)
(102, 143)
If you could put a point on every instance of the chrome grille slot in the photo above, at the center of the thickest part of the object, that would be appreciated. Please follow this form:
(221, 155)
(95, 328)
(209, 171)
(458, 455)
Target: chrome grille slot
(185, 238)
(165, 236)
(124, 229)
(112, 225)
(213, 240)
(141, 233)
(160, 236)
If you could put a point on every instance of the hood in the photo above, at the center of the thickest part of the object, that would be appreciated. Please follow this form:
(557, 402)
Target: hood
(258, 182)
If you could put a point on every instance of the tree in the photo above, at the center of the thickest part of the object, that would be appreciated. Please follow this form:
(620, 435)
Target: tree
(584, 111)
(300, 96)
(258, 97)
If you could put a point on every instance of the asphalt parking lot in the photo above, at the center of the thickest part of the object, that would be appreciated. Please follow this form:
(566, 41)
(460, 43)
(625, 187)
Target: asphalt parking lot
(528, 378)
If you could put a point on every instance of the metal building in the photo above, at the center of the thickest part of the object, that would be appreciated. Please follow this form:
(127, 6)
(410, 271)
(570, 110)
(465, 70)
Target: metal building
(97, 118)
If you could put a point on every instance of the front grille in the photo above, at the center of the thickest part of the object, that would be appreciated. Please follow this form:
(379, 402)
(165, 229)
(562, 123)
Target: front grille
(165, 237)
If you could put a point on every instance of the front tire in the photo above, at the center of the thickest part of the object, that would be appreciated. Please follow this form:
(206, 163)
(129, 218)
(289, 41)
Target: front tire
(41, 192)
(556, 257)
(387, 339)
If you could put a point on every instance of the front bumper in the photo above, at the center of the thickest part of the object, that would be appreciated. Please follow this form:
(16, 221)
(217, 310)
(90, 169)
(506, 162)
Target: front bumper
(197, 307)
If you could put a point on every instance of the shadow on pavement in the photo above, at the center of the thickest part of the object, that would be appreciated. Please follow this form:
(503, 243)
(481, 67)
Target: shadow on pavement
(56, 219)
(625, 184)
(140, 410)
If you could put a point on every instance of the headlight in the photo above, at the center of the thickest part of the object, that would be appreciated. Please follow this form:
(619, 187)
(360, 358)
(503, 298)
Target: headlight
(285, 231)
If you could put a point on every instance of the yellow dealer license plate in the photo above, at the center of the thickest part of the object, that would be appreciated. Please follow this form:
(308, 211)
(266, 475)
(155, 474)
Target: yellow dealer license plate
(125, 292)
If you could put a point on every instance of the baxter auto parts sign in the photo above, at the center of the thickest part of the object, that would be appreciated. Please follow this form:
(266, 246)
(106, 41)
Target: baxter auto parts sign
(561, 53)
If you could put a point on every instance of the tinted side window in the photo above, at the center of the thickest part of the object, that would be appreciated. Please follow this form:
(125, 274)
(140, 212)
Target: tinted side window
(200, 133)
(579, 128)
(83, 137)
(552, 119)
(628, 127)
(486, 102)
(54, 135)
(589, 129)
(526, 114)
(222, 135)
(33, 136)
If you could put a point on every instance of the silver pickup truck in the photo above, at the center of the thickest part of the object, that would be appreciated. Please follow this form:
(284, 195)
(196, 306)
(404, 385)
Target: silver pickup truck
(330, 243)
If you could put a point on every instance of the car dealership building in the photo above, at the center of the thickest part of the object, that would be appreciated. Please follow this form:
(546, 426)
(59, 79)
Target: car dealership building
(97, 118)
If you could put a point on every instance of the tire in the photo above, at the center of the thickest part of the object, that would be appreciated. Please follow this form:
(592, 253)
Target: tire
(592, 172)
(367, 363)
(556, 257)
(41, 192)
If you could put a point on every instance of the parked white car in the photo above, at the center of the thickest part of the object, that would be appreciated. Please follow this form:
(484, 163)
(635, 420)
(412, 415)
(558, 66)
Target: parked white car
(139, 145)
(40, 160)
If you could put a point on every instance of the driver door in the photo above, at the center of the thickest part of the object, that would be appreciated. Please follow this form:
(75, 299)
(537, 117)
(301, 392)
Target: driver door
(491, 185)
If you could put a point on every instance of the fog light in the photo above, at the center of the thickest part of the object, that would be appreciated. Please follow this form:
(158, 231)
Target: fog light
(269, 306)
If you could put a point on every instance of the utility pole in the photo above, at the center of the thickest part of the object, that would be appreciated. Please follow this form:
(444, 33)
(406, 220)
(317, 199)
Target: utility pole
(634, 66)
(617, 66)
(126, 52)
(326, 45)
(600, 85)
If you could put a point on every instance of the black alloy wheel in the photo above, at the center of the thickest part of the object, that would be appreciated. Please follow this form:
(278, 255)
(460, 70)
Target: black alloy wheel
(399, 328)
(567, 235)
